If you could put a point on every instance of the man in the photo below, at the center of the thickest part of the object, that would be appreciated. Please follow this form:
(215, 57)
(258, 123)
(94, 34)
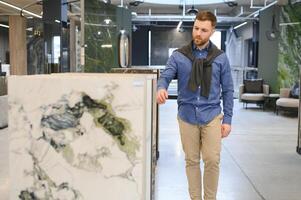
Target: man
(204, 75)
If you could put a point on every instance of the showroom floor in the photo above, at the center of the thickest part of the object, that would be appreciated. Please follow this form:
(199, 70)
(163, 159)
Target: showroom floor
(258, 162)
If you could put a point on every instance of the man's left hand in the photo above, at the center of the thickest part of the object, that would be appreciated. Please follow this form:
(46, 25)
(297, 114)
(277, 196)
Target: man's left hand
(226, 129)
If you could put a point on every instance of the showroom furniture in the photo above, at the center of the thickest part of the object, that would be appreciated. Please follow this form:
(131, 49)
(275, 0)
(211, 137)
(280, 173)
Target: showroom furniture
(253, 91)
(286, 102)
(270, 101)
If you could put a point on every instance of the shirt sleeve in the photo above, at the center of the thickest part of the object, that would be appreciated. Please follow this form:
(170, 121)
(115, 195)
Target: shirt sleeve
(227, 91)
(168, 73)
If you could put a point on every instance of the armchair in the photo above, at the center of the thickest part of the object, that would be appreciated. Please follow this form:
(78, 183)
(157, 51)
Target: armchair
(287, 102)
(253, 91)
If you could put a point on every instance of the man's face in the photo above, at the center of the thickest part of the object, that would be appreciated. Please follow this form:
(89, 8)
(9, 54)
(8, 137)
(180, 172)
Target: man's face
(202, 31)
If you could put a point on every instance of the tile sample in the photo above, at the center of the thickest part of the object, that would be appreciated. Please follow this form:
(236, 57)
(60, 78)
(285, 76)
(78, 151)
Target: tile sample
(80, 136)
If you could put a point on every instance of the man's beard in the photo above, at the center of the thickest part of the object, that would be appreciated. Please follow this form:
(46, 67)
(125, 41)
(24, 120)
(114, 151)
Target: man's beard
(199, 42)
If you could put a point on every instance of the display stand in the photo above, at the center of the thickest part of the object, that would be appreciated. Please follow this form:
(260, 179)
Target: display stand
(298, 149)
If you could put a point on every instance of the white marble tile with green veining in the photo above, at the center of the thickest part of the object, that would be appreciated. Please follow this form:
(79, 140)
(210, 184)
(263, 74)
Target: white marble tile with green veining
(78, 137)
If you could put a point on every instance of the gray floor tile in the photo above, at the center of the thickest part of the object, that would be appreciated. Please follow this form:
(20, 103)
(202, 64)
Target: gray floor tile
(258, 159)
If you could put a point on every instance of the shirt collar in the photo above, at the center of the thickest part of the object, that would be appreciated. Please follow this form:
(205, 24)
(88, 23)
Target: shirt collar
(194, 47)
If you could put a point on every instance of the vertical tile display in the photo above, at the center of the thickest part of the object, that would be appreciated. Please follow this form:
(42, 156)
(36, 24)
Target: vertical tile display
(35, 48)
(154, 120)
(100, 36)
(102, 25)
(289, 45)
(80, 136)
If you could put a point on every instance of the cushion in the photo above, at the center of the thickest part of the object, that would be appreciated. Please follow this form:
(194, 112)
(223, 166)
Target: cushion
(252, 97)
(295, 91)
(285, 92)
(253, 86)
(288, 102)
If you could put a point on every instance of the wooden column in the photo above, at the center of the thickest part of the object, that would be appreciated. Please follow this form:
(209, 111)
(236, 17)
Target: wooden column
(17, 45)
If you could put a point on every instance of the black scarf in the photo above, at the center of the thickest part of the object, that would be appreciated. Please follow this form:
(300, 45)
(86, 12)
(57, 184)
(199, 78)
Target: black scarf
(201, 68)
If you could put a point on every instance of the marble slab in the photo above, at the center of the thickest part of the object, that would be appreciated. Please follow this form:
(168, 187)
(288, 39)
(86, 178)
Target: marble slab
(155, 113)
(80, 136)
(102, 25)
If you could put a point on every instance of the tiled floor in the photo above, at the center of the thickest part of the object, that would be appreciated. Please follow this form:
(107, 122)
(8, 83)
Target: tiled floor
(4, 181)
(259, 161)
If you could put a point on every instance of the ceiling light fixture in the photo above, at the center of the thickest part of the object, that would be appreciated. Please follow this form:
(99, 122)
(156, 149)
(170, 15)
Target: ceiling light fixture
(179, 25)
(136, 3)
(273, 33)
(106, 46)
(4, 26)
(107, 21)
(240, 25)
(231, 3)
(135, 28)
(107, 1)
(20, 9)
(289, 24)
(192, 10)
(134, 14)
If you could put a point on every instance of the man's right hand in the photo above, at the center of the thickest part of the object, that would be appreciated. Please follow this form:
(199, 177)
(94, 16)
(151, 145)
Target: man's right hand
(162, 95)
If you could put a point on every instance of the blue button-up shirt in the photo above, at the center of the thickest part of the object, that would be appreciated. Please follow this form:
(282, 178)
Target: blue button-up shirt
(192, 107)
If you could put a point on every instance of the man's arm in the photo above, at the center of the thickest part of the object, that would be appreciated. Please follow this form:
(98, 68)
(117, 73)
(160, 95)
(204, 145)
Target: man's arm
(166, 76)
(227, 95)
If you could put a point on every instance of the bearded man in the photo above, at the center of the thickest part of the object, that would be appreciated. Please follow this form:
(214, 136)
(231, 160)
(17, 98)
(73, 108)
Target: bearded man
(204, 79)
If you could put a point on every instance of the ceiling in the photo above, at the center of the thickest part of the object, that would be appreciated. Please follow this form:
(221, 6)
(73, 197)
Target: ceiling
(227, 11)
(225, 7)
(233, 10)
(30, 4)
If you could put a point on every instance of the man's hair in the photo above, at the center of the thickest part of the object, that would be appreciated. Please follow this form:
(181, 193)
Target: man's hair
(206, 15)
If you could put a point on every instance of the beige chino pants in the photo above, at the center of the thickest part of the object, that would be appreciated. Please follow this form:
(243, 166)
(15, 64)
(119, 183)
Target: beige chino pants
(202, 141)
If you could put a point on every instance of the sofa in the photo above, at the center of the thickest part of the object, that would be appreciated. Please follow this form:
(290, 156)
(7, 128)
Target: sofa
(287, 101)
(253, 91)
(3, 102)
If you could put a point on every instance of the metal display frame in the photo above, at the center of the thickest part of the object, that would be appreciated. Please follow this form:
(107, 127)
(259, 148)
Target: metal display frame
(298, 148)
